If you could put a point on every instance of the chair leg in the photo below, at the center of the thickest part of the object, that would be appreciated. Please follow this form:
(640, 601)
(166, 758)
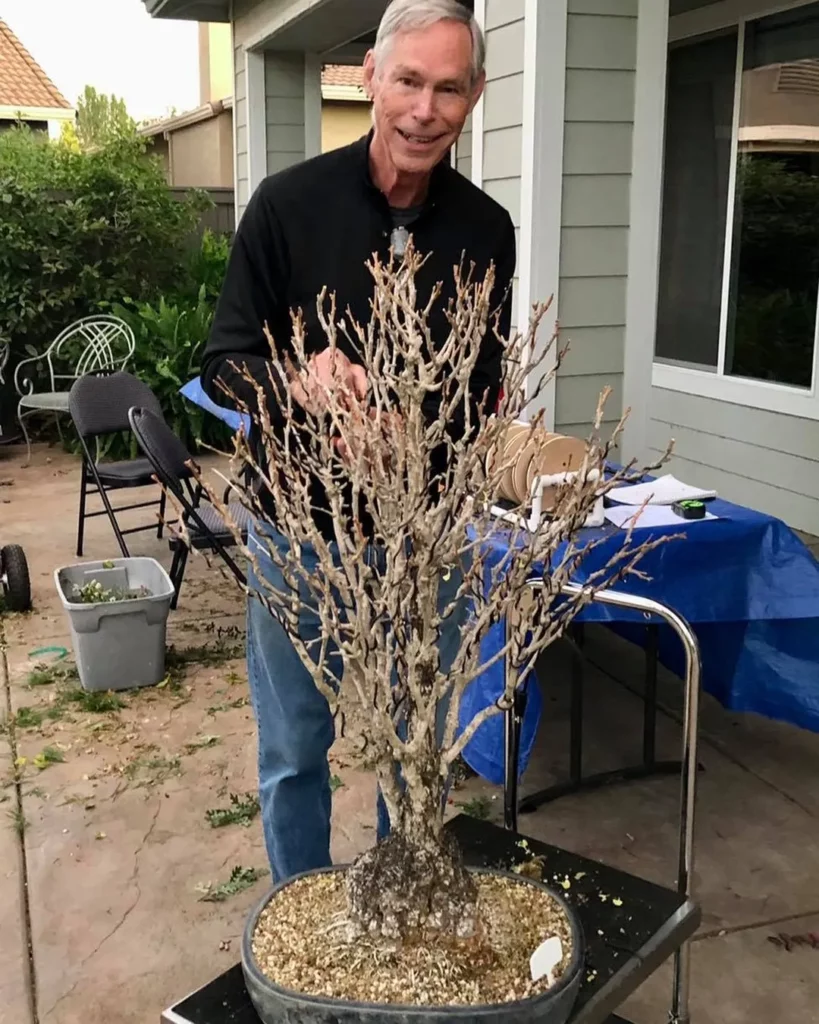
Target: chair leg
(162, 501)
(107, 503)
(20, 418)
(176, 579)
(83, 499)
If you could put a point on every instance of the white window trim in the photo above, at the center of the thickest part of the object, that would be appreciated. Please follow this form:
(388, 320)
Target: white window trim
(541, 199)
(645, 203)
(713, 383)
(477, 113)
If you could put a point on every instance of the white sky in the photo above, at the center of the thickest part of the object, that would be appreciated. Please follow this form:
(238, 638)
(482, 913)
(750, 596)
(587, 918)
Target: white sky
(113, 45)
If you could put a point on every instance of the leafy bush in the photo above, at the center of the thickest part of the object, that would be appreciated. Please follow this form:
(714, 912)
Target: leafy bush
(170, 338)
(100, 231)
(78, 230)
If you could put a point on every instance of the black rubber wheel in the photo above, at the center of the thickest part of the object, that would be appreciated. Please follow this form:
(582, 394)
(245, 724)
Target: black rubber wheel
(14, 574)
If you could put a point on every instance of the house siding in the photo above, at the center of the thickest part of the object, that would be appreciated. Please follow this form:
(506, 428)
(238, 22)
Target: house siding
(601, 54)
(240, 128)
(503, 110)
(764, 460)
(463, 150)
(284, 105)
(284, 96)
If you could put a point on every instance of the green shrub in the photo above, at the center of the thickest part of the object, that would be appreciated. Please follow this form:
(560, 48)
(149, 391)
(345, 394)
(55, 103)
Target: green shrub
(170, 338)
(78, 230)
(100, 231)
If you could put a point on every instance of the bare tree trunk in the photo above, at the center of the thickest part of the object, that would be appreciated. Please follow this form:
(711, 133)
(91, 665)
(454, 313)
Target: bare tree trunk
(415, 879)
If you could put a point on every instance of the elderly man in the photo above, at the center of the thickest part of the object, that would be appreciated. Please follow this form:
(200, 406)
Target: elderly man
(317, 224)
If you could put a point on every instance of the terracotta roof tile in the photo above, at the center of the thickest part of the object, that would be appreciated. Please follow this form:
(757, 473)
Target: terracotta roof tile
(342, 74)
(23, 83)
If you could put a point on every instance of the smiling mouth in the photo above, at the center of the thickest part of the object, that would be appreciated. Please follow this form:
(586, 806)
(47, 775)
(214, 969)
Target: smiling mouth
(420, 140)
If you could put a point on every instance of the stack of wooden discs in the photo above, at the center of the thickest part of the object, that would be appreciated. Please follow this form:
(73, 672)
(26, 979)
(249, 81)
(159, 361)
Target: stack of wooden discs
(530, 452)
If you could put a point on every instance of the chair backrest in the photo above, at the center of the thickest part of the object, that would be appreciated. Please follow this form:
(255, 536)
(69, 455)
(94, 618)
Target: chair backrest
(90, 345)
(99, 403)
(160, 445)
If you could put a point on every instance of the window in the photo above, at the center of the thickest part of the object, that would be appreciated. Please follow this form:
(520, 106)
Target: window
(739, 263)
(699, 116)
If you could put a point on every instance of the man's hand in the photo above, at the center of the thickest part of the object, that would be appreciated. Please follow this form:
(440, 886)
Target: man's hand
(329, 371)
(391, 423)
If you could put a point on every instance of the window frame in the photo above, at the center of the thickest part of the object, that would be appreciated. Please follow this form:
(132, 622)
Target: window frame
(714, 382)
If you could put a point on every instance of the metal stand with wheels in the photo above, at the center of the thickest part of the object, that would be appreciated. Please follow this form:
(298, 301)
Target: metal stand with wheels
(688, 770)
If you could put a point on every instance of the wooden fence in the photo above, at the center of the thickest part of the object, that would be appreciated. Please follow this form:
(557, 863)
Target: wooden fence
(221, 218)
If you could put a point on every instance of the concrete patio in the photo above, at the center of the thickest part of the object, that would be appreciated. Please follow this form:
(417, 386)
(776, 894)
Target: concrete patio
(104, 872)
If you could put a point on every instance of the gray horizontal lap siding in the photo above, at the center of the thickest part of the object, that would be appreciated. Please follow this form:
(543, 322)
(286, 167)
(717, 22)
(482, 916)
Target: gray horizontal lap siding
(765, 460)
(284, 105)
(503, 107)
(240, 129)
(600, 64)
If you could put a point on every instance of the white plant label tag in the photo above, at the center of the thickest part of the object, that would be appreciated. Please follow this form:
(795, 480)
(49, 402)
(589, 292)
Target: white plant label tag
(545, 959)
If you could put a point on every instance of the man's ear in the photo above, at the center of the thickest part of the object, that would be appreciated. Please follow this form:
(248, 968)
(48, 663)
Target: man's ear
(477, 91)
(369, 73)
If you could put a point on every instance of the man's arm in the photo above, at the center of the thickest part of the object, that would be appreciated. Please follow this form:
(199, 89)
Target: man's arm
(253, 294)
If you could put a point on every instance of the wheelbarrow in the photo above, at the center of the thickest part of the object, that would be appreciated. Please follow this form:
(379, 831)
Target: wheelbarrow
(14, 579)
(15, 585)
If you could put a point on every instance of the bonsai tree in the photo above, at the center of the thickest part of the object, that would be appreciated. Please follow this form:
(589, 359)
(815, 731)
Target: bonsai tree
(378, 454)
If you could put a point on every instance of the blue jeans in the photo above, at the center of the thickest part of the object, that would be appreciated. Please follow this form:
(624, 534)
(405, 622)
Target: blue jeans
(295, 725)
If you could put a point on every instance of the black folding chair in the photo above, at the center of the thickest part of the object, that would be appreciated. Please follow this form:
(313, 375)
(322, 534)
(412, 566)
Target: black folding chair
(206, 527)
(99, 404)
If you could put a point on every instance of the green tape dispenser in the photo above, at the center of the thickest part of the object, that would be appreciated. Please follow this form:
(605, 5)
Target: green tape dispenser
(689, 509)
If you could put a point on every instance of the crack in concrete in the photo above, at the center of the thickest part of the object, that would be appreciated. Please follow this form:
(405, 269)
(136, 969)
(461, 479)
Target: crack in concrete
(718, 933)
(25, 904)
(134, 879)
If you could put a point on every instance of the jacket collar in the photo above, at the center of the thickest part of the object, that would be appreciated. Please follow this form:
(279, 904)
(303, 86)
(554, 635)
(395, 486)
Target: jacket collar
(361, 150)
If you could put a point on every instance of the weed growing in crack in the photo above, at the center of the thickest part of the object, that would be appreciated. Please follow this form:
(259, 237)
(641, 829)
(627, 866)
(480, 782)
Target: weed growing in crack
(18, 821)
(94, 701)
(28, 718)
(478, 807)
(48, 756)
(46, 675)
(240, 879)
(240, 812)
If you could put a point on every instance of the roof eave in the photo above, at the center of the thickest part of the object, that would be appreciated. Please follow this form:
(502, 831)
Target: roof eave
(191, 117)
(189, 10)
(15, 112)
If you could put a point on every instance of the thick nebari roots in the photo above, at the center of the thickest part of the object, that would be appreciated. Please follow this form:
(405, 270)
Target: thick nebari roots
(398, 890)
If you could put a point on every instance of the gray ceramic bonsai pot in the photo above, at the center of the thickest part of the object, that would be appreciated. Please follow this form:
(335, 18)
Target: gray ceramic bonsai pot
(276, 1005)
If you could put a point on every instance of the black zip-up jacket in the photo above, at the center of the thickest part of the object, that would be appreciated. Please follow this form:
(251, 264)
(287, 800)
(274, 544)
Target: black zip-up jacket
(316, 224)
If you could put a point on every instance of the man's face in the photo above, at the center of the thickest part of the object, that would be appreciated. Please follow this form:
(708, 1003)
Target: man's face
(422, 93)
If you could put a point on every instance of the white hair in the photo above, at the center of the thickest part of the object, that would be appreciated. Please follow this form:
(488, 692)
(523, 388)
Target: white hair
(411, 15)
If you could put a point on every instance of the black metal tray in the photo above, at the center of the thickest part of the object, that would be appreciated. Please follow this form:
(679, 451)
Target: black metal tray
(631, 926)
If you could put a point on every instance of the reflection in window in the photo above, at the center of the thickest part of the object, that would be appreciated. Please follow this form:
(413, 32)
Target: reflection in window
(771, 330)
(700, 104)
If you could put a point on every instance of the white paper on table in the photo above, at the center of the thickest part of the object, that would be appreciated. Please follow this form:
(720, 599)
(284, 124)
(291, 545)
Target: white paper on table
(665, 490)
(651, 515)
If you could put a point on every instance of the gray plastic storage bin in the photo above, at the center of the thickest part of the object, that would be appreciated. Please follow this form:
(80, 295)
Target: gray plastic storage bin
(119, 644)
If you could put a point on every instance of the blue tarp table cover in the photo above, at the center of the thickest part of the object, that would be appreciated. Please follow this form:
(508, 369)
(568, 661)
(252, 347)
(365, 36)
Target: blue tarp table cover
(745, 582)
(195, 393)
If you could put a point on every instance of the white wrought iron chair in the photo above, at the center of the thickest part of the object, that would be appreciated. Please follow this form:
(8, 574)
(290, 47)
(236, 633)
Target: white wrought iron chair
(92, 345)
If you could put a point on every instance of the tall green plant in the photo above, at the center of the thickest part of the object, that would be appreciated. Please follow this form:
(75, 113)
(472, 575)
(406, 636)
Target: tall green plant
(170, 339)
(102, 119)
